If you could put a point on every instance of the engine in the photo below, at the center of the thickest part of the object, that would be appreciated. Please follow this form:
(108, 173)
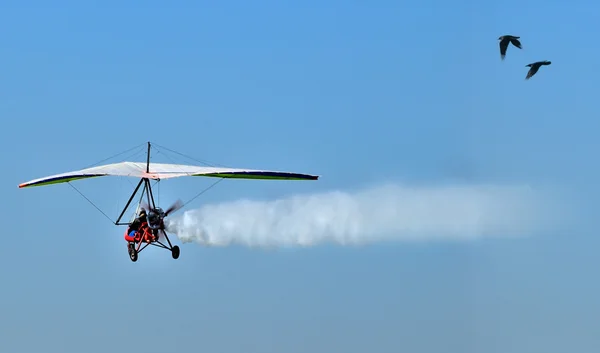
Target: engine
(155, 218)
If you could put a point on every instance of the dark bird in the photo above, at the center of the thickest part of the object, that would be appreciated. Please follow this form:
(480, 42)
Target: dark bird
(534, 67)
(504, 40)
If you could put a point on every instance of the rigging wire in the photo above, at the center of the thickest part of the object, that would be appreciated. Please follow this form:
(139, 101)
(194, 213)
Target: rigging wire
(203, 191)
(80, 193)
(186, 156)
(175, 163)
(118, 154)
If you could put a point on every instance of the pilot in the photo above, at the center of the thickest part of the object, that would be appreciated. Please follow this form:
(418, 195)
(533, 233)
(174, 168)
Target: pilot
(133, 231)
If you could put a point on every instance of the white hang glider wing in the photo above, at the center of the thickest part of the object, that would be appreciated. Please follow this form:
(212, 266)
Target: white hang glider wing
(164, 171)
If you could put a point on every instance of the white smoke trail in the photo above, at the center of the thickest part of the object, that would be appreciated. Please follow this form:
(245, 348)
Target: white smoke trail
(383, 213)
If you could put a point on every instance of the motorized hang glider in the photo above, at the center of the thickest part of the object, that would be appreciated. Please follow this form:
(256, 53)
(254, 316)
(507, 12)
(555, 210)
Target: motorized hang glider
(147, 171)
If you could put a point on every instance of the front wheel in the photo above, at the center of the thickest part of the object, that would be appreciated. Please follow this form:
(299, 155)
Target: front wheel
(175, 252)
(133, 255)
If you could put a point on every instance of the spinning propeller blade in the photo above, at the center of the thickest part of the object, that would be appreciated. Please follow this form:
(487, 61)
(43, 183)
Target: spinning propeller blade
(176, 206)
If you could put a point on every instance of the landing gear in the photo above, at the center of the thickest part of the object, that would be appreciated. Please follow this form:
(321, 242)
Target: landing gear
(134, 248)
(175, 252)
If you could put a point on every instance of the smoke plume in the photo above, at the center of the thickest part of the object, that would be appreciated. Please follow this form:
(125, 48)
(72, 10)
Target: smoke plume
(383, 213)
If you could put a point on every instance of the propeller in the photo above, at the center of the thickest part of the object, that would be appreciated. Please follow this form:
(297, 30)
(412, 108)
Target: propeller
(176, 206)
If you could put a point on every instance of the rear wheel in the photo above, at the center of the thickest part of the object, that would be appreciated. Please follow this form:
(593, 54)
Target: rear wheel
(175, 252)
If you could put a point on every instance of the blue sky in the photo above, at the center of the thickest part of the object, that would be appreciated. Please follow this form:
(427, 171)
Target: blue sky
(358, 93)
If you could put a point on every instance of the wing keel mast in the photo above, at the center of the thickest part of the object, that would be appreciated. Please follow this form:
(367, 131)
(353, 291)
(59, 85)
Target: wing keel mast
(148, 159)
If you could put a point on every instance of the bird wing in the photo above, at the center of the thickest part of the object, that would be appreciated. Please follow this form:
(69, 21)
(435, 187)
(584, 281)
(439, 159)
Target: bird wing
(516, 43)
(503, 47)
(532, 71)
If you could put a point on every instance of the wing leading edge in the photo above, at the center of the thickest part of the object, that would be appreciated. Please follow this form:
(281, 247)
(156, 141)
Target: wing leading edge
(164, 171)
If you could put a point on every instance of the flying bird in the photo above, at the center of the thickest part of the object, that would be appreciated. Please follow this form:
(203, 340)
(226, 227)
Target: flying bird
(534, 67)
(504, 40)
